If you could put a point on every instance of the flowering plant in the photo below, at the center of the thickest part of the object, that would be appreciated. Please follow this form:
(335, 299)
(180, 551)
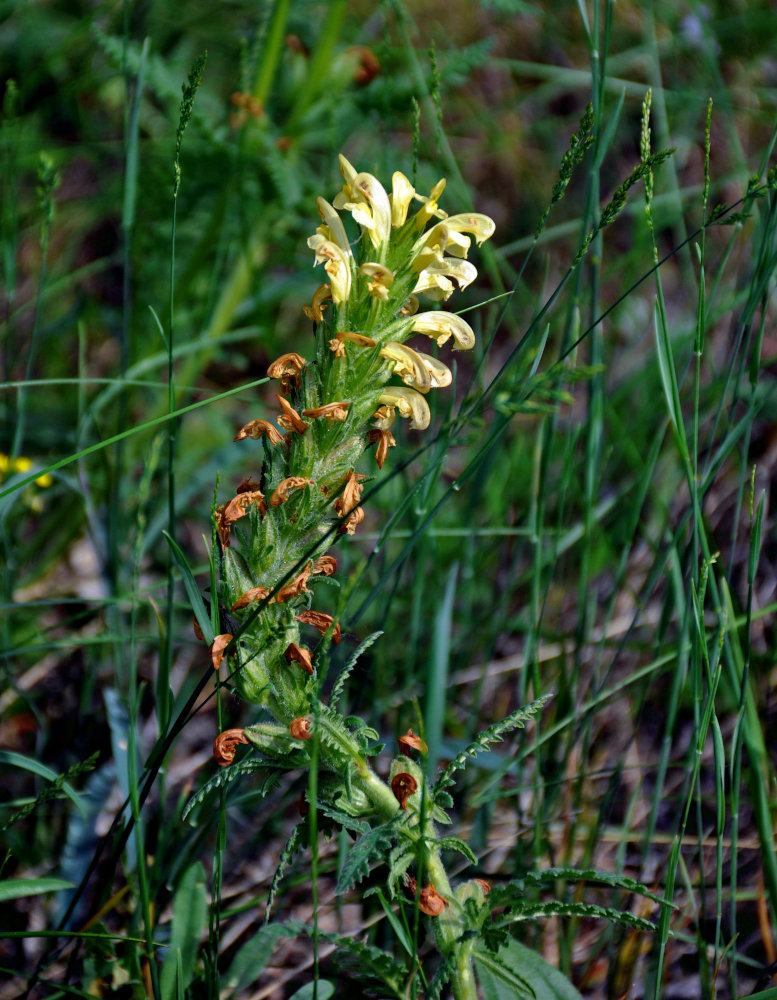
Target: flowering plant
(273, 536)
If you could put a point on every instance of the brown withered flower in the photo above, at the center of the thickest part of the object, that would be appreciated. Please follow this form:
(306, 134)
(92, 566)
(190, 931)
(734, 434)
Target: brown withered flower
(410, 742)
(320, 621)
(256, 428)
(385, 441)
(347, 503)
(197, 630)
(217, 648)
(225, 744)
(237, 507)
(287, 368)
(254, 595)
(300, 729)
(431, 902)
(485, 886)
(281, 492)
(289, 419)
(296, 587)
(330, 411)
(321, 296)
(298, 654)
(325, 565)
(403, 785)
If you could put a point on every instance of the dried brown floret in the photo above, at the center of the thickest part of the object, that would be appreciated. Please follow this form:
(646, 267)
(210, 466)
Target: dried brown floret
(290, 420)
(321, 296)
(252, 596)
(287, 368)
(295, 587)
(281, 492)
(431, 902)
(346, 504)
(320, 621)
(225, 744)
(330, 411)
(403, 785)
(256, 428)
(325, 565)
(410, 742)
(234, 510)
(298, 654)
(217, 648)
(300, 729)
(385, 441)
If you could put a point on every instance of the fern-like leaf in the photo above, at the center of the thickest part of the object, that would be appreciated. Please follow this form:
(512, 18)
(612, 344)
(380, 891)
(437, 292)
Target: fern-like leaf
(592, 875)
(441, 977)
(454, 844)
(222, 779)
(295, 843)
(339, 684)
(486, 739)
(556, 908)
(369, 963)
(372, 846)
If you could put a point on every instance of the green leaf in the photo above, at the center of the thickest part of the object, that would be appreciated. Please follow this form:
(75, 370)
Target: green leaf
(557, 908)
(342, 677)
(587, 875)
(322, 989)
(30, 764)
(253, 957)
(494, 734)
(192, 590)
(190, 912)
(15, 888)
(374, 845)
(517, 971)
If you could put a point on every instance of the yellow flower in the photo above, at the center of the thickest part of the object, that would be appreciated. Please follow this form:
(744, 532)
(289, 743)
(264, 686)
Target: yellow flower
(22, 464)
(336, 264)
(410, 404)
(441, 326)
(415, 368)
(365, 198)
(430, 209)
(379, 279)
(433, 281)
(402, 193)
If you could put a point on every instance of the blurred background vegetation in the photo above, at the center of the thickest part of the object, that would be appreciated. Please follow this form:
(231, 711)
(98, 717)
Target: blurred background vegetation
(569, 557)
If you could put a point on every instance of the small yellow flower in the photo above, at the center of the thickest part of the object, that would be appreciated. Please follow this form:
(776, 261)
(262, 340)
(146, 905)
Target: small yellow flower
(411, 404)
(441, 326)
(430, 209)
(433, 280)
(415, 368)
(365, 198)
(402, 193)
(336, 264)
(22, 464)
(379, 279)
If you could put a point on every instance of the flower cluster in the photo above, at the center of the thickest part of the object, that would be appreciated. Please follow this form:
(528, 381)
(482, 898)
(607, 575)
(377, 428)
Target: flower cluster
(273, 532)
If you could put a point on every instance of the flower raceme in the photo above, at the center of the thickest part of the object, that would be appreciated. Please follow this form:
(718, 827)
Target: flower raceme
(274, 532)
